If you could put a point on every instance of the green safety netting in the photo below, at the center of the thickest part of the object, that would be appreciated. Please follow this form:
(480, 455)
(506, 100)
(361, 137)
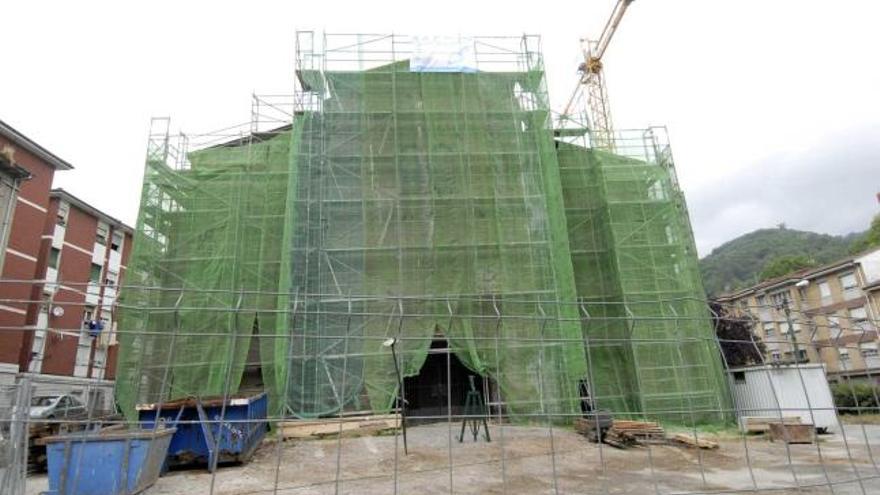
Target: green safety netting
(636, 265)
(416, 205)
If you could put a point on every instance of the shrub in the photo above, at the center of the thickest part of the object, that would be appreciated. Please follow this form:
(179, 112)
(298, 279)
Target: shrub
(855, 397)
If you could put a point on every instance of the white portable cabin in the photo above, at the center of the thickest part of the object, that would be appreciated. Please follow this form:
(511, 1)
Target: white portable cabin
(783, 391)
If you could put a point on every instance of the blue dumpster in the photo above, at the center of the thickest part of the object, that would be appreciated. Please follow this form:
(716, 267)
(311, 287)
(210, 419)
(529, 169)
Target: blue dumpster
(112, 461)
(202, 434)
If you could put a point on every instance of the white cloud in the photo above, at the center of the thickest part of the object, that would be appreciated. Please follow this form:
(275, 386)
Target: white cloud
(737, 82)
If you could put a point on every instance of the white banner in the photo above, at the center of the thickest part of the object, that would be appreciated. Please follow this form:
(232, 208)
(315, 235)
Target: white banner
(443, 54)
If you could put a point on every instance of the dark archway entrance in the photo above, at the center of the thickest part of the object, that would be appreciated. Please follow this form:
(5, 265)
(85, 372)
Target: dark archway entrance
(429, 393)
(252, 378)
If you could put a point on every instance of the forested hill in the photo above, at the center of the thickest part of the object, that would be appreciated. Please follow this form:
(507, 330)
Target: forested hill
(738, 263)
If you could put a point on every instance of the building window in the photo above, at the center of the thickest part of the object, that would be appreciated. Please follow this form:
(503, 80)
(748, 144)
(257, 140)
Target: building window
(112, 278)
(802, 356)
(869, 350)
(775, 355)
(116, 244)
(102, 233)
(859, 319)
(88, 314)
(849, 285)
(769, 330)
(824, 290)
(780, 299)
(739, 376)
(763, 309)
(54, 255)
(63, 213)
(95, 274)
(834, 329)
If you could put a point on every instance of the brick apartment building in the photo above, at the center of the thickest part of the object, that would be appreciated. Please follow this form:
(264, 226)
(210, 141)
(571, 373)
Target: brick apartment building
(82, 261)
(20, 255)
(834, 312)
(62, 264)
(11, 178)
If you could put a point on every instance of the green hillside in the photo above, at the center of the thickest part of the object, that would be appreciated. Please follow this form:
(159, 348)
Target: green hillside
(738, 262)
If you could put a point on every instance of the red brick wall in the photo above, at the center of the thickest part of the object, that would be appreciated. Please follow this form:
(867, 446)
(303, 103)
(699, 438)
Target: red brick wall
(73, 272)
(112, 355)
(24, 237)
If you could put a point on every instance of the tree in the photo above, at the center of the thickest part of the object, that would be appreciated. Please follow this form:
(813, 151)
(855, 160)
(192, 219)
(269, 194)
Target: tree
(869, 239)
(783, 265)
(739, 344)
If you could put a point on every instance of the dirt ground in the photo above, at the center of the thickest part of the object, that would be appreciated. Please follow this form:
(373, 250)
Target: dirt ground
(518, 460)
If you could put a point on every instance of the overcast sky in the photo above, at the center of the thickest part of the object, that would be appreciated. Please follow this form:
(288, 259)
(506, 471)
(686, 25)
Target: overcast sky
(773, 107)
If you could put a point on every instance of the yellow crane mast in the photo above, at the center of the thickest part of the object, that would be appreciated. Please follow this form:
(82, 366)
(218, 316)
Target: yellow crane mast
(592, 83)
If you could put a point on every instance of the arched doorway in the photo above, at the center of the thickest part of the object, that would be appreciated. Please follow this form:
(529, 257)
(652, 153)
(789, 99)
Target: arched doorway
(442, 381)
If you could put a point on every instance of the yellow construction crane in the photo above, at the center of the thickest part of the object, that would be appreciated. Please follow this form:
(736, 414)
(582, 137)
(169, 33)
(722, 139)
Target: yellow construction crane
(592, 83)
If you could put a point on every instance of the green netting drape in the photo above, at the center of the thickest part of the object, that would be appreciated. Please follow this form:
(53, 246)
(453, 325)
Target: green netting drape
(417, 205)
(207, 261)
(634, 256)
(438, 196)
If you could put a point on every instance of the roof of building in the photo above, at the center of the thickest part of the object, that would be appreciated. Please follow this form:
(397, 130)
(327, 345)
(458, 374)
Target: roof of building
(254, 137)
(797, 276)
(82, 205)
(31, 146)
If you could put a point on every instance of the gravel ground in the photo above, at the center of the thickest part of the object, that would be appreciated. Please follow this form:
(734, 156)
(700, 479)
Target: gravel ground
(519, 460)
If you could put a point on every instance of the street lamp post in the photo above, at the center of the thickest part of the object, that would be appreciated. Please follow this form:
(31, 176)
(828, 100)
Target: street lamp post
(401, 401)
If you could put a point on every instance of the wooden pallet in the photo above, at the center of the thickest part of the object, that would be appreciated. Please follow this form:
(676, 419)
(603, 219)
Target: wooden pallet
(761, 424)
(346, 426)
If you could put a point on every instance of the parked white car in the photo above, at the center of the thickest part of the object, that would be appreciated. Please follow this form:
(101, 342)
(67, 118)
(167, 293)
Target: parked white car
(55, 406)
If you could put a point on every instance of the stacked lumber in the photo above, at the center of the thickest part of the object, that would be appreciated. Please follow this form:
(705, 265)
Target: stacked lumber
(627, 433)
(692, 441)
(594, 425)
(346, 426)
(36, 447)
(588, 428)
(616, 438)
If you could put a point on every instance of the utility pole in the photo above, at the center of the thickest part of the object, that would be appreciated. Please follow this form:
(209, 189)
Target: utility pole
(787, 310)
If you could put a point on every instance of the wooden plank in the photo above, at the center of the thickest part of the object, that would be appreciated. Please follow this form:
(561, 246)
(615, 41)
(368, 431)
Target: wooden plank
(627, 433)
(692, 441)
(761, 424)
(351, 426)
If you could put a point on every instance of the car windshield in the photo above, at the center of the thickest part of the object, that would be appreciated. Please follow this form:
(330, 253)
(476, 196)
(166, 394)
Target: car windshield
(43, 401)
